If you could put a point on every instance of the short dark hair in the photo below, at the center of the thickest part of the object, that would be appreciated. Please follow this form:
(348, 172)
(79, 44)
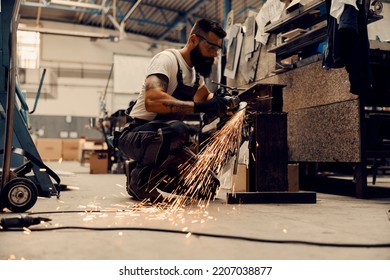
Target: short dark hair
(204, 26)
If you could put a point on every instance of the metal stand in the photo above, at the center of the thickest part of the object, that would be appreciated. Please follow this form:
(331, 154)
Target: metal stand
(268, 157)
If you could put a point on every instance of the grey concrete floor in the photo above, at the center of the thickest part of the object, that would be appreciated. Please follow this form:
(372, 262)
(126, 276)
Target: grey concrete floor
(101, 201)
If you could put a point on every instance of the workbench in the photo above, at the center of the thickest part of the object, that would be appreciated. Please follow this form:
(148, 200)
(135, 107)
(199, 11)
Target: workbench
(326, 124)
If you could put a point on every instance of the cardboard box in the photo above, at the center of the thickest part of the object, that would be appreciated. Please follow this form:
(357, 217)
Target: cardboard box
(98, 162)
(293, 177)
(93, 145)
(49, 149)
(240, 180)
(71, 149)
(88, 145)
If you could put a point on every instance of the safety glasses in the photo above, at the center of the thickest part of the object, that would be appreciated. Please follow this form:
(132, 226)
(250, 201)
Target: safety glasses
(211, 46)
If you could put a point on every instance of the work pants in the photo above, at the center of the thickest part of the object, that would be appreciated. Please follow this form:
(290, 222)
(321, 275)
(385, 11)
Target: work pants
(157, 147)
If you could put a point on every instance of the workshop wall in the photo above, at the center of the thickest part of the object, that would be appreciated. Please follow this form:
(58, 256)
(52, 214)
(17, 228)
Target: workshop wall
(82, 70)
(77, 78)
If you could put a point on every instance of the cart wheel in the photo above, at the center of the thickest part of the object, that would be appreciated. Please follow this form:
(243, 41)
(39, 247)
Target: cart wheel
(19, 195)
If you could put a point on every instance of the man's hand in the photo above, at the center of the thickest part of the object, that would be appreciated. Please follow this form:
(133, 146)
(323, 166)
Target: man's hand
(232, 102)
(218, 105)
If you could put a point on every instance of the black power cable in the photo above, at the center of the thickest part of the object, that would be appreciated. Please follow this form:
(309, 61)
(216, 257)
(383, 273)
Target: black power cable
(17, 224)
(242, 238)
(21, 222)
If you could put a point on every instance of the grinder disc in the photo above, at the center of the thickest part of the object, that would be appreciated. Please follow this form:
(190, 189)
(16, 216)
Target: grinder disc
(242, 105)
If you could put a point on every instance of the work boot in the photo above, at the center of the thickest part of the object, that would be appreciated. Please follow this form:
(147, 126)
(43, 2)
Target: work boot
(167, 176)
(142, 190)
(173, 182)
(129, 166)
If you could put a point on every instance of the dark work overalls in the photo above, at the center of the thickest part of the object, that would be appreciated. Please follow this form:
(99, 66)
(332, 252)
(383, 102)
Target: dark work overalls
(158, 146)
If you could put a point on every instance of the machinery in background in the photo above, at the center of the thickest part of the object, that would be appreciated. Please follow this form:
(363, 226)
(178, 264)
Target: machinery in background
(21, 186)
(108, 125)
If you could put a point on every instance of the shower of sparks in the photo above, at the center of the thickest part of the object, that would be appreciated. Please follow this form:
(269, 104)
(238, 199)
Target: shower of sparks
(219, 148)
(197, 175)
(187, 207)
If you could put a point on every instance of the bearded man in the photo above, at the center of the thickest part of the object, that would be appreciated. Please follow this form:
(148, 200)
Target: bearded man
(157, 139)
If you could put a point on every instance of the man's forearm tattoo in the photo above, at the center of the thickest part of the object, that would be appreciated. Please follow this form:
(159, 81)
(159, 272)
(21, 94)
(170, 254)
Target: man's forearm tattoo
(179, 107)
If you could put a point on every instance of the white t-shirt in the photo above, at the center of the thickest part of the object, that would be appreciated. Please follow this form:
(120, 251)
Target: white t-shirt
(165, 63)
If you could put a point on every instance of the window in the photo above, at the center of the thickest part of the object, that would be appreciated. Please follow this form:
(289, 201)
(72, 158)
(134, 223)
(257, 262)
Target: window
(28, 46)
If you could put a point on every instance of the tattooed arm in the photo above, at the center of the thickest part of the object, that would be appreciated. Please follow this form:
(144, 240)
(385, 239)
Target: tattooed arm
(159, 101)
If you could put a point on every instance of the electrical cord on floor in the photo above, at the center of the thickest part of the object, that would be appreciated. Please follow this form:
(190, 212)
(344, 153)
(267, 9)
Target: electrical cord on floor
(19, 223)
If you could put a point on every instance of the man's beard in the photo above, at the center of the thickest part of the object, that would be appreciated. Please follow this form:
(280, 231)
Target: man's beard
(203, 65)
